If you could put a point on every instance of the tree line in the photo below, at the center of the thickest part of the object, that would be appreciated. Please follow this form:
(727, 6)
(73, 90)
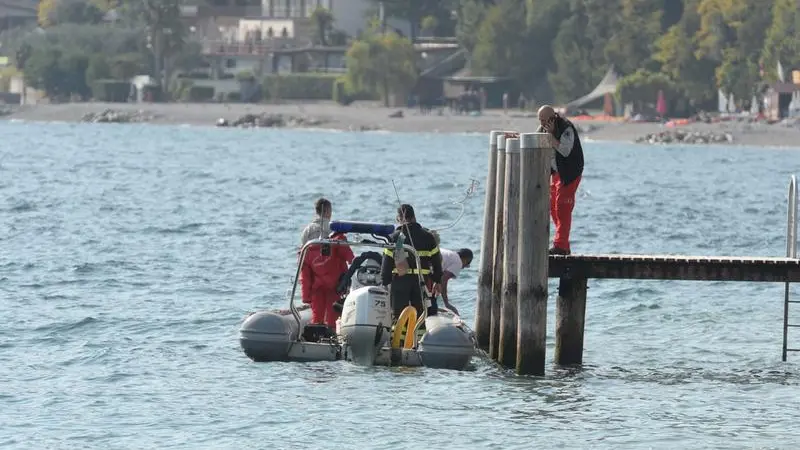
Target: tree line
(78, 42)
(555, 50)
(558, 50)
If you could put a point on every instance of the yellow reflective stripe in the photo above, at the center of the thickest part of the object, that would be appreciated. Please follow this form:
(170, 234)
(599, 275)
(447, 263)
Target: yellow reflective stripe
(428, 253)
(415, 271)
(421, 253)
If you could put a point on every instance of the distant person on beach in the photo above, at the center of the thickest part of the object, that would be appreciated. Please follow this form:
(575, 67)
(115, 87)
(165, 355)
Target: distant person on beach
(405, 289)
(452, 263)
(566, 171)
(322, 266)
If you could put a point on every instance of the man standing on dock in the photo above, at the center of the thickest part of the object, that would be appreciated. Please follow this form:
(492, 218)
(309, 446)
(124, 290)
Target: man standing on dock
(405, 289)
(566, 171)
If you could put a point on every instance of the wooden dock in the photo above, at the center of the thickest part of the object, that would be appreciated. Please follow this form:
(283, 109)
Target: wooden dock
(515, 265)
(675, 267)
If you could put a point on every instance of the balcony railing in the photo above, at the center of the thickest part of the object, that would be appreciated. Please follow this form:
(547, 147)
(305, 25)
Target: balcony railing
(222, 11)
(254, 48)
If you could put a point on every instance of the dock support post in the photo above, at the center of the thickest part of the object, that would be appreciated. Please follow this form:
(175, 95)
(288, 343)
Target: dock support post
(533, 240)
(497, 264)
(483, 307)
(570, 319)
(507, 353)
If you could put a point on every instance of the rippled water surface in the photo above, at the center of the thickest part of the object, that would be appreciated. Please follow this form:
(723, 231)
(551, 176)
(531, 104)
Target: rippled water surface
(130, 254)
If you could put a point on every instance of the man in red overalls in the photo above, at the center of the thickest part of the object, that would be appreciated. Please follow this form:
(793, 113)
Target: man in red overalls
(566, 171)
(322, 267)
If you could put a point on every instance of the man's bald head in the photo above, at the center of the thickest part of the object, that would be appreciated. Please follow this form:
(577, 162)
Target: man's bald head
(546, 112)
(546, 115)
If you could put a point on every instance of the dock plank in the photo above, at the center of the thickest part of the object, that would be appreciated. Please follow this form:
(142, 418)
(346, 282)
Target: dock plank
(675, 267)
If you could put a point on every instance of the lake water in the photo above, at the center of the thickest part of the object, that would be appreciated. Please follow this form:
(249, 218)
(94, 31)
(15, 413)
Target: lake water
(130, 254)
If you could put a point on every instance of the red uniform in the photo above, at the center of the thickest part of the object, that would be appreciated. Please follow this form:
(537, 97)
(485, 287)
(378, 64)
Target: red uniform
(320, 275)
(562, 201)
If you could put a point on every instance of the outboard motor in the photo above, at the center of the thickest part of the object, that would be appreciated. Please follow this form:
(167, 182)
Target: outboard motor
(366, 316)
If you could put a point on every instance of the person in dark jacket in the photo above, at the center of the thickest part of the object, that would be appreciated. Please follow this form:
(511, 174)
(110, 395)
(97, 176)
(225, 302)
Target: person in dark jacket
(406, 289)
(566, 171)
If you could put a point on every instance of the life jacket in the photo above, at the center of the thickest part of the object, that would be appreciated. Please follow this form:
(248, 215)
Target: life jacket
(424, 243)
(569, 167)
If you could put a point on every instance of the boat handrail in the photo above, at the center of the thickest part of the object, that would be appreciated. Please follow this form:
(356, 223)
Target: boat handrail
(390, 246)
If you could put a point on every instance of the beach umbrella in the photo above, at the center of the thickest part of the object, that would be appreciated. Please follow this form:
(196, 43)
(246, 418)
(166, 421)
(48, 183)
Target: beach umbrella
(661, 104)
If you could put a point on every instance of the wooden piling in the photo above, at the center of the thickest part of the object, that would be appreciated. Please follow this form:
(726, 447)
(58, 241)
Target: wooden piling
(570, 319)
(483, 308)
(507, 349)
(533, 240)
(497, 263)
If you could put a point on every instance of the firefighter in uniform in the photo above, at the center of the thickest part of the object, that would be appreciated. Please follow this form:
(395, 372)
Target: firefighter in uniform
(405, 287)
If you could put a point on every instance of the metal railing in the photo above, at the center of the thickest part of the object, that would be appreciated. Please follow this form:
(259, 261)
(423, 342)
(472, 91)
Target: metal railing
(425, 301)
(791, 252)
(239, 48)
(791, 232)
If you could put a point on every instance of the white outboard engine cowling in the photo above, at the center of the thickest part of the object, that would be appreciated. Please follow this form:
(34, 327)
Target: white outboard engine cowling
(366, 318)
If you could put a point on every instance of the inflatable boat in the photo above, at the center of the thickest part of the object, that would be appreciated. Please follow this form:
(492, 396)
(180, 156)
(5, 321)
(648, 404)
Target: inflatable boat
(366, 334)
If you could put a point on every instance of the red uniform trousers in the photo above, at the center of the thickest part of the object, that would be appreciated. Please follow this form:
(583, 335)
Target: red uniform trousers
(322, 310)
(562, 201)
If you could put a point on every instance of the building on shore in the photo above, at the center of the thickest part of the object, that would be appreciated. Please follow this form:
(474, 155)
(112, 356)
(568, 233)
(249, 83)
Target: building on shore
(280, 36)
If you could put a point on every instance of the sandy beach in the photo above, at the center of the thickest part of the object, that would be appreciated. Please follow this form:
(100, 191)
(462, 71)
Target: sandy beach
(368, 116)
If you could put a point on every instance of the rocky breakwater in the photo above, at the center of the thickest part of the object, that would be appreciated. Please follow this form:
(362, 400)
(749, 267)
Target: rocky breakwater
(266, 120)
(686, 137)
(112, 116)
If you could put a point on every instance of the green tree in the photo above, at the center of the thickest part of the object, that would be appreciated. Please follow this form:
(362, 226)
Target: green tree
(673, 10)
(631, 45)
(127, 65)
(98, 69)
(383, 63)
(165, 32)
(57, 72)
(603, 20)
(324, 22)
(90, 38)
(107, 5)
(678, 54)
(415, 10)
(190, 58)
(72, 67)
(56, 12)
(470, 14)
(42, 70)
(782, 41)
(572, 52)
(715, 33)
(732, 32)
(642, 86)
(429, 24)
(44, 10)
(503, 42)
(543, 18)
